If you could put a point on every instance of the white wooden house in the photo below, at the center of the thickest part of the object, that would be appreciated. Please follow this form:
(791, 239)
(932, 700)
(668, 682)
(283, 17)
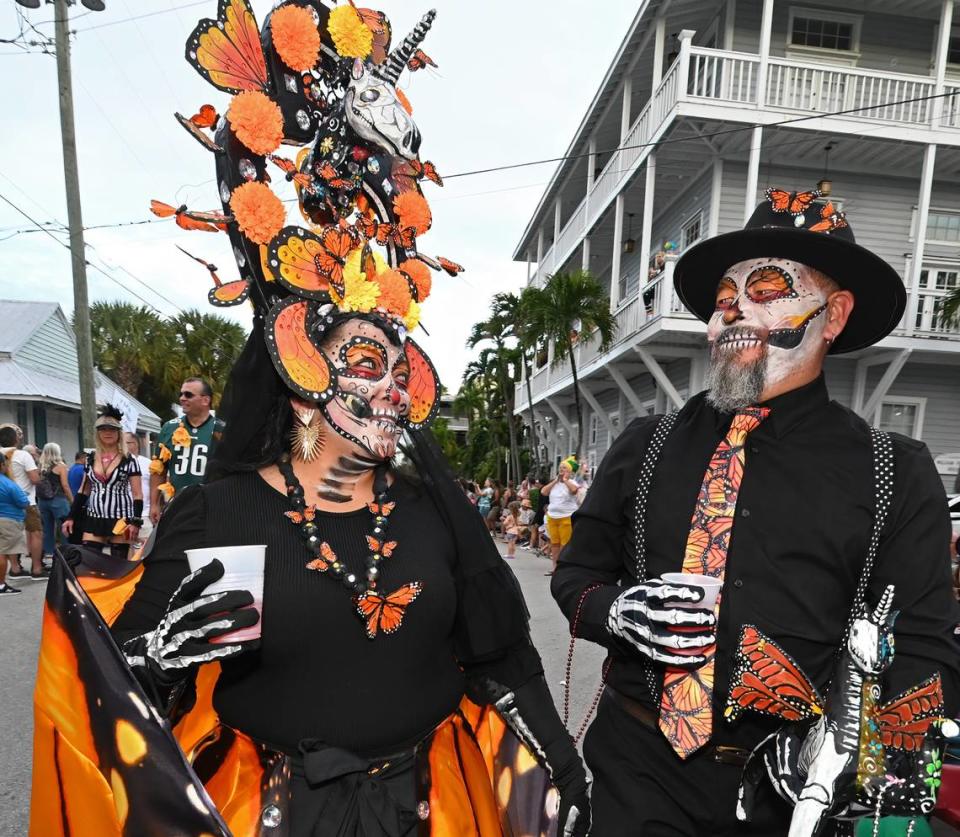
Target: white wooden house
(39, 389)
(705, 105)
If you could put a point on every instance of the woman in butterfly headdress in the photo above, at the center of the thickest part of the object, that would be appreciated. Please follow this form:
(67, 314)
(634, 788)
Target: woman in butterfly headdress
(393, 686)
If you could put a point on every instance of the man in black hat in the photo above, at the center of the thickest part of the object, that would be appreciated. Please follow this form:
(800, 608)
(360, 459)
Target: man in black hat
(768, 488)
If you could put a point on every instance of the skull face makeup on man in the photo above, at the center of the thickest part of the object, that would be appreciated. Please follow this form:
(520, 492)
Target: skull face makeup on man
(371, 397)
(768, 325)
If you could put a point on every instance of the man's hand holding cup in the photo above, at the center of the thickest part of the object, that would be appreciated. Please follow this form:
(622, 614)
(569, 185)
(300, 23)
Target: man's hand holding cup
(671, 619)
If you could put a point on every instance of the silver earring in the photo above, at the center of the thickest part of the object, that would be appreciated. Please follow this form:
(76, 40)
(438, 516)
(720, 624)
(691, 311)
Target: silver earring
(306, 439)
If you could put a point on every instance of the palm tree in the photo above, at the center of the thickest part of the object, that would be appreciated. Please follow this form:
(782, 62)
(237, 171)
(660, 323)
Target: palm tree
(949, 308)
(570, 308)
(126, 339)
(511, 308)
(496, 329)
(208, 346)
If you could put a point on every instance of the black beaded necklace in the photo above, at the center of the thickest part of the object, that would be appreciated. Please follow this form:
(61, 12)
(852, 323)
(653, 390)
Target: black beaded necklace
(324, 558)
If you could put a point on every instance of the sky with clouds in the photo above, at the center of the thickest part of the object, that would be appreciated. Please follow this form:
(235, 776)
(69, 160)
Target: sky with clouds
(513, 82)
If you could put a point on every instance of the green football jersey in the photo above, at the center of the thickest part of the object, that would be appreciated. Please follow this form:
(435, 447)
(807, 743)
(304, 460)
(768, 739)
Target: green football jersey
(189, 462)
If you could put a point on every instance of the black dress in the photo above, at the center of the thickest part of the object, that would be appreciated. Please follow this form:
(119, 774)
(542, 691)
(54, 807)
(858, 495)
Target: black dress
(316, 676)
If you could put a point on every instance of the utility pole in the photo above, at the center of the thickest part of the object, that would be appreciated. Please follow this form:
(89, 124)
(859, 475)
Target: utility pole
(81, 307)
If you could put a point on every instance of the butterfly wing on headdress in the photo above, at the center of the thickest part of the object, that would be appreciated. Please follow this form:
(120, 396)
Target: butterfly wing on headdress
(423, 386)
(904, 720)
(303, 367)
(767, 680)
(229, 293)
(227, 51)
(294, 261)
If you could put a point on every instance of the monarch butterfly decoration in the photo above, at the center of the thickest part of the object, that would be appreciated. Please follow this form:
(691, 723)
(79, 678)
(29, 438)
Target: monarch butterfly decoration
(292, 173)
(767, 680)
(309, 513)
(227, 51)
(223, 294)
(205, 118)
(381, 548)
(189, 219)
(419, 60)
(384, 613)
(830, 219)
(326, 559)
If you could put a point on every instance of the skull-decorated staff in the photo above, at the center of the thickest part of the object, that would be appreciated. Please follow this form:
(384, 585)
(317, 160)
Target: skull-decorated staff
(383, 683)
(818, 531)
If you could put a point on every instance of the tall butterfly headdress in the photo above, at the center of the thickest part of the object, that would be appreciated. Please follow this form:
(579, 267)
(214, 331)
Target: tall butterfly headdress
(324, 79)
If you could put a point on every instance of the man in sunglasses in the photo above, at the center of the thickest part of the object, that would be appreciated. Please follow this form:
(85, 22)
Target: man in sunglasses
(184, 446)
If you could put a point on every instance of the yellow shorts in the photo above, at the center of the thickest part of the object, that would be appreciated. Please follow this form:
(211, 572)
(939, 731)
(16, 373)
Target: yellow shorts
(559, 529)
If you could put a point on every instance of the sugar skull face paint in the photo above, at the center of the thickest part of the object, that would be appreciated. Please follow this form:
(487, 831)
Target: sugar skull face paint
(371, 397)
(768, 324)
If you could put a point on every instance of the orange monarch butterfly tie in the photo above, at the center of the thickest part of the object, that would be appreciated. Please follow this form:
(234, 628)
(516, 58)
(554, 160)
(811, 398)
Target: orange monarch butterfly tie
(686, 706)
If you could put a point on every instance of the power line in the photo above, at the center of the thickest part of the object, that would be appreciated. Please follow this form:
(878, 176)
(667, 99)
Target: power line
(141, 17)
(116, 281)
(747, 127)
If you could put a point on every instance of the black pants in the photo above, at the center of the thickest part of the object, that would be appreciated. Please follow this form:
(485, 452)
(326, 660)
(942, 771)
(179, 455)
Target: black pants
(642, 789)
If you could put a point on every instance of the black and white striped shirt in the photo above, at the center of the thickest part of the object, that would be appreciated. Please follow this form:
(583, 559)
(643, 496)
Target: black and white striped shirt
(112, 498)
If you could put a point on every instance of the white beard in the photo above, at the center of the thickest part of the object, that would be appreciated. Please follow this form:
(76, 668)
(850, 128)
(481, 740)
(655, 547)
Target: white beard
(732, 385)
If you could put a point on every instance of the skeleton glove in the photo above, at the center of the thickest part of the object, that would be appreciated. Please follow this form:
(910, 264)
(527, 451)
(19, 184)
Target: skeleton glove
(647, 617)
(164, 658)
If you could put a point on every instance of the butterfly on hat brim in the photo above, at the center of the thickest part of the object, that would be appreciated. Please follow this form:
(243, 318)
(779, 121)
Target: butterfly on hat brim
(309, 264)
(423, 386)
(299, 362)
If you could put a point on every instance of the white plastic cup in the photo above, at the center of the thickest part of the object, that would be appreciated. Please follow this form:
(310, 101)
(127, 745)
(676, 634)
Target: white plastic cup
(711, 589)
(242, 570)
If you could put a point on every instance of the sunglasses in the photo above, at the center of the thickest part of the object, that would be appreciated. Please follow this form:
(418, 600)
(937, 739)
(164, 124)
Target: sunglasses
(187, 395)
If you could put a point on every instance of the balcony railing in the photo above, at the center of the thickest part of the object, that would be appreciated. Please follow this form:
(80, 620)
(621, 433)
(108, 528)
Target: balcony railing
(720, 76)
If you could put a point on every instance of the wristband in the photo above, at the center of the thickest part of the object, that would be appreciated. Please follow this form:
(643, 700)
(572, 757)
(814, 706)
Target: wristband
(138, 508)
(78, 506)
(134, 521)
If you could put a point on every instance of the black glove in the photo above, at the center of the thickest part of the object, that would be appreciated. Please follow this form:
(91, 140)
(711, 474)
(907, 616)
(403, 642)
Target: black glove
(530, 713)
(164, 658)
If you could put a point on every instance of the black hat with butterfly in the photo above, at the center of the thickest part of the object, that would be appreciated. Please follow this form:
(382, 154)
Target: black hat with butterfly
(801, 227)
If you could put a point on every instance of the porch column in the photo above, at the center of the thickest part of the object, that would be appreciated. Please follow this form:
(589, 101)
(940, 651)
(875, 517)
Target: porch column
(715, 189)
(529, 267)
(539, 248)
(556, 223)
(920, 233)
(729, 21)
(591, 178)
(753, 173)
(585, 258)
(940, 64)
(625, 108)
(766, 24)
(646, 226)
(659, 37)
(617, 250)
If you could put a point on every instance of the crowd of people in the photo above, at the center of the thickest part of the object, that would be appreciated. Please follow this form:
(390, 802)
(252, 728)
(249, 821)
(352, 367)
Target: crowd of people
(534, 515)
(110, 496)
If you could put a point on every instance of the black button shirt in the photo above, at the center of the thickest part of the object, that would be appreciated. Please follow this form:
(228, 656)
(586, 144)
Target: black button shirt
(799, 540)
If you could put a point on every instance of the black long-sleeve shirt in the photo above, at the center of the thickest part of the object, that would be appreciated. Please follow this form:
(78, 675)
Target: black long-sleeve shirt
(799, 540)
(316, 675)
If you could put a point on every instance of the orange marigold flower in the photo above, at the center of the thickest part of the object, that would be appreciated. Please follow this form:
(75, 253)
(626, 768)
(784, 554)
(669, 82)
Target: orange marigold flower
(256, 120)
(402, 98)
(181, 437)
(296, 37)
(413, 211)
(419, 274)
(164, 454)
(259, 212)
(351, 36)
(394, 296)
(157, 467)
(167, 490)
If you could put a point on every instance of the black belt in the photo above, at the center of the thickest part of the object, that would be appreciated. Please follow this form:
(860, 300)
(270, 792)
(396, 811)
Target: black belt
(649, 718)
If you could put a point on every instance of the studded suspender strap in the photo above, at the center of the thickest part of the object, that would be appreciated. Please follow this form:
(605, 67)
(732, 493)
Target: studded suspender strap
(883, 491)
(650, 459)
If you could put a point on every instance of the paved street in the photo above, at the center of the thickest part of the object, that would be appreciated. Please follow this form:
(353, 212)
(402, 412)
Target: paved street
(19, 635)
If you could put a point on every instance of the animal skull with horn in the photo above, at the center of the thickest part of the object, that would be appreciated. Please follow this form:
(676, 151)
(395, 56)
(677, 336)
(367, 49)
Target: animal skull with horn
(373, 109)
